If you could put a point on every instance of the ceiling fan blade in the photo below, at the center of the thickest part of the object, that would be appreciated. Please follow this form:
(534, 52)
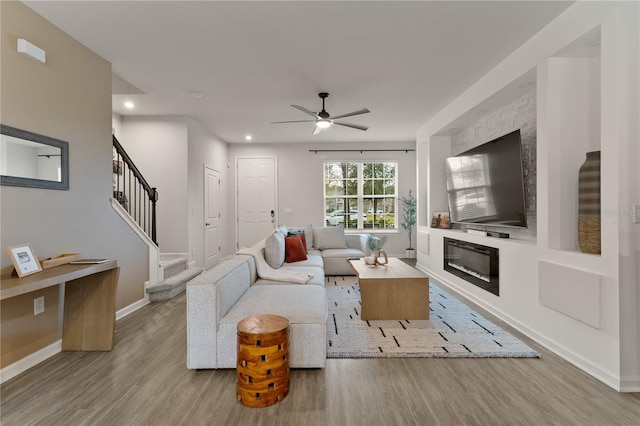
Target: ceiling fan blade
(305, 110)
(354, 126)
(294, 121)
(350, 114)
(317, 130)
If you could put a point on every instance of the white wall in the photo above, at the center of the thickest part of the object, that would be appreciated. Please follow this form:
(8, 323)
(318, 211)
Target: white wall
(158, 147)
(207, 149)
(300, 179)
(610, 350)
(23, 161)
(171, 153)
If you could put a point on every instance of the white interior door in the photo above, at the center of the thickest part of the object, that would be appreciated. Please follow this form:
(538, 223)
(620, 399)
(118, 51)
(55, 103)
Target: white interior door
(212, 245)
(256, 199)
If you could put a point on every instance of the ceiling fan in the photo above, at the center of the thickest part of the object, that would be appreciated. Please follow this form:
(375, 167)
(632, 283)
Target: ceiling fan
(324, 120)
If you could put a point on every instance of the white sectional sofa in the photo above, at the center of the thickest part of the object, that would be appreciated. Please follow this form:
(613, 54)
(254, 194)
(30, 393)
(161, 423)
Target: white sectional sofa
(232, 290)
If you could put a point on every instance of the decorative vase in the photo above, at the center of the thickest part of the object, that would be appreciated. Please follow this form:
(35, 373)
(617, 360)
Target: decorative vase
(589, 204)
(410, 253)
(370, 260)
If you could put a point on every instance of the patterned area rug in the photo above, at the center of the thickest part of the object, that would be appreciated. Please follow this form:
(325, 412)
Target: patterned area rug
(453, 330)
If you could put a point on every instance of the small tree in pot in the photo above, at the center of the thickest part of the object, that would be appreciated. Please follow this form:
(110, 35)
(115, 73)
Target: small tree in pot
(409, 220)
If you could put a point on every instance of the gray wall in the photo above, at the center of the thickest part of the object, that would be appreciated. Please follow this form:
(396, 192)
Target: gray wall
(68, 98)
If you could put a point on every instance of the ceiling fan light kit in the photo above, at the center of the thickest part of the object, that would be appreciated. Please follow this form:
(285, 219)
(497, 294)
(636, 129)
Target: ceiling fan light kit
(324, 120)
(323, 124)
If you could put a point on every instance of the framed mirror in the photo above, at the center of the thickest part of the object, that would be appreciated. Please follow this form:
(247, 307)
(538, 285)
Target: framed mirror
(31, 160)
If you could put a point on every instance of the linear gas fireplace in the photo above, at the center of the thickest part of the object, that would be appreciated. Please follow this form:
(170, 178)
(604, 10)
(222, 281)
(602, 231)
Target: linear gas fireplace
(474, 263)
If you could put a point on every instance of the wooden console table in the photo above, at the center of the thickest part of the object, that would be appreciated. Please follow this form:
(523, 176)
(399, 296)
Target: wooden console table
(89, 321)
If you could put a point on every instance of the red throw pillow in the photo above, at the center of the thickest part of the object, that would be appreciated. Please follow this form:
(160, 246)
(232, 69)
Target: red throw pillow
(295, 249)
(300, 234)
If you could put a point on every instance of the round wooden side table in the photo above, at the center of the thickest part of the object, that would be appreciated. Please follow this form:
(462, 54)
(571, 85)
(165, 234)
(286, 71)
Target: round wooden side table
(263, 360)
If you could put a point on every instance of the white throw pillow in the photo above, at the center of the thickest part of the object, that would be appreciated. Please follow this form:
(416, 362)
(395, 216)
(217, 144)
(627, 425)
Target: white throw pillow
(308, 234)
(331, 237)
(283, 229)
(274, 250)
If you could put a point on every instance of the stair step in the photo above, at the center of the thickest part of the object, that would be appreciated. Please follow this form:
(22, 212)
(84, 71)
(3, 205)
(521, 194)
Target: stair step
(173, 266)
(172, 286)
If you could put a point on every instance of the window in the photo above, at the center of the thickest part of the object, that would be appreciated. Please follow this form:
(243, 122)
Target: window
(361, 195)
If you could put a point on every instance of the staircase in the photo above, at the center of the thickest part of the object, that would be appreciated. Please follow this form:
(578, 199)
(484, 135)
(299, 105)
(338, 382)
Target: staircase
(174, 274)
(135, 201)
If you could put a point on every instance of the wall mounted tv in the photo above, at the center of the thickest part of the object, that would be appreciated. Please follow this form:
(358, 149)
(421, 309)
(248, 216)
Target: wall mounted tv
(485, 184)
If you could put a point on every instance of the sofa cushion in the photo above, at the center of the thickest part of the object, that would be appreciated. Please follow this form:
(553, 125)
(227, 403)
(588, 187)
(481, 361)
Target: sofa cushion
(344, 253)
(314, 258)
(294, 249)
(317, 275)
(308, 234)
(274, 249)
(281, 300)
(331, 237)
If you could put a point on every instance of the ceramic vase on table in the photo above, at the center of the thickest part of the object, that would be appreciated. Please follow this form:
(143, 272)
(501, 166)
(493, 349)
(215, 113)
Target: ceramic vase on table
(589, 204)
(370, 260)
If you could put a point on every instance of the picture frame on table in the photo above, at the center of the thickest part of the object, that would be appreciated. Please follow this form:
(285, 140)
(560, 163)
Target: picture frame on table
(441, 220)
(24, 260)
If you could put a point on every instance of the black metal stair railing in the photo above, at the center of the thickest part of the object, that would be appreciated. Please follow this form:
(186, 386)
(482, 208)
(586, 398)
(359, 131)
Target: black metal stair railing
(133, 192)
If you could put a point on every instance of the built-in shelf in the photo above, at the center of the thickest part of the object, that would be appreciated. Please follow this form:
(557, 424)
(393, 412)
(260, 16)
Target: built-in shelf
(572, 92)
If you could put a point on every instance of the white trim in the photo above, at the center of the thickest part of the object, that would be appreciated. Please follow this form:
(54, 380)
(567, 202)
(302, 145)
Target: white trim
(31, 360)
(630, 384)
(134, 306)
(607, 377)
(205, 197)
(47, 352)
(275, 192)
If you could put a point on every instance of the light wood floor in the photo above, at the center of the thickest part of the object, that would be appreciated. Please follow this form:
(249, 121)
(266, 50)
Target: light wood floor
(144, 380)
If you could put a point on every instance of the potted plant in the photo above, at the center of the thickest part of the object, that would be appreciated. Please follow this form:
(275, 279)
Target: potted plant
(409, 221)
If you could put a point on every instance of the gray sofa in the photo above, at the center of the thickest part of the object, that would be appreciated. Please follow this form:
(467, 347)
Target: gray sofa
(232, 290)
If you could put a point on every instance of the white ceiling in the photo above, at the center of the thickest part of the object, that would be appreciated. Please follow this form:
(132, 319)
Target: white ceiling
(250, 60)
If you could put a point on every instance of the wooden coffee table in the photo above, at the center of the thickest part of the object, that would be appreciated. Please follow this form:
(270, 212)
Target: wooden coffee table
(395, 291)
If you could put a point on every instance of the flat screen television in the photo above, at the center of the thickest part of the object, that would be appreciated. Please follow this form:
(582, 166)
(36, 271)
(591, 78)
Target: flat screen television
(485, 184)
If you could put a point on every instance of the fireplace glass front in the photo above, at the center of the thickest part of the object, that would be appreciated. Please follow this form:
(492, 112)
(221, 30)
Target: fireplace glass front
(474, 263)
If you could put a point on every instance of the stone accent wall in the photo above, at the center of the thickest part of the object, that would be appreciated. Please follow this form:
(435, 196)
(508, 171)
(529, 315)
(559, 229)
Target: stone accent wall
(519, 114)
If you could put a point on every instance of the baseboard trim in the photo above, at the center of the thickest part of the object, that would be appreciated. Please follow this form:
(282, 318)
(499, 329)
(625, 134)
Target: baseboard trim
(31, 360)
(132, 307)
(630, 384)
(574, 358)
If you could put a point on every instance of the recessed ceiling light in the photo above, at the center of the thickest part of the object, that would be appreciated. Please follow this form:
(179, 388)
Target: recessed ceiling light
(248, 137)
(129, 105)
(197, 95)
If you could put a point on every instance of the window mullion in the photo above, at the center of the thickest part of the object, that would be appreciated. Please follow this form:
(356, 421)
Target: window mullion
(360, 195)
